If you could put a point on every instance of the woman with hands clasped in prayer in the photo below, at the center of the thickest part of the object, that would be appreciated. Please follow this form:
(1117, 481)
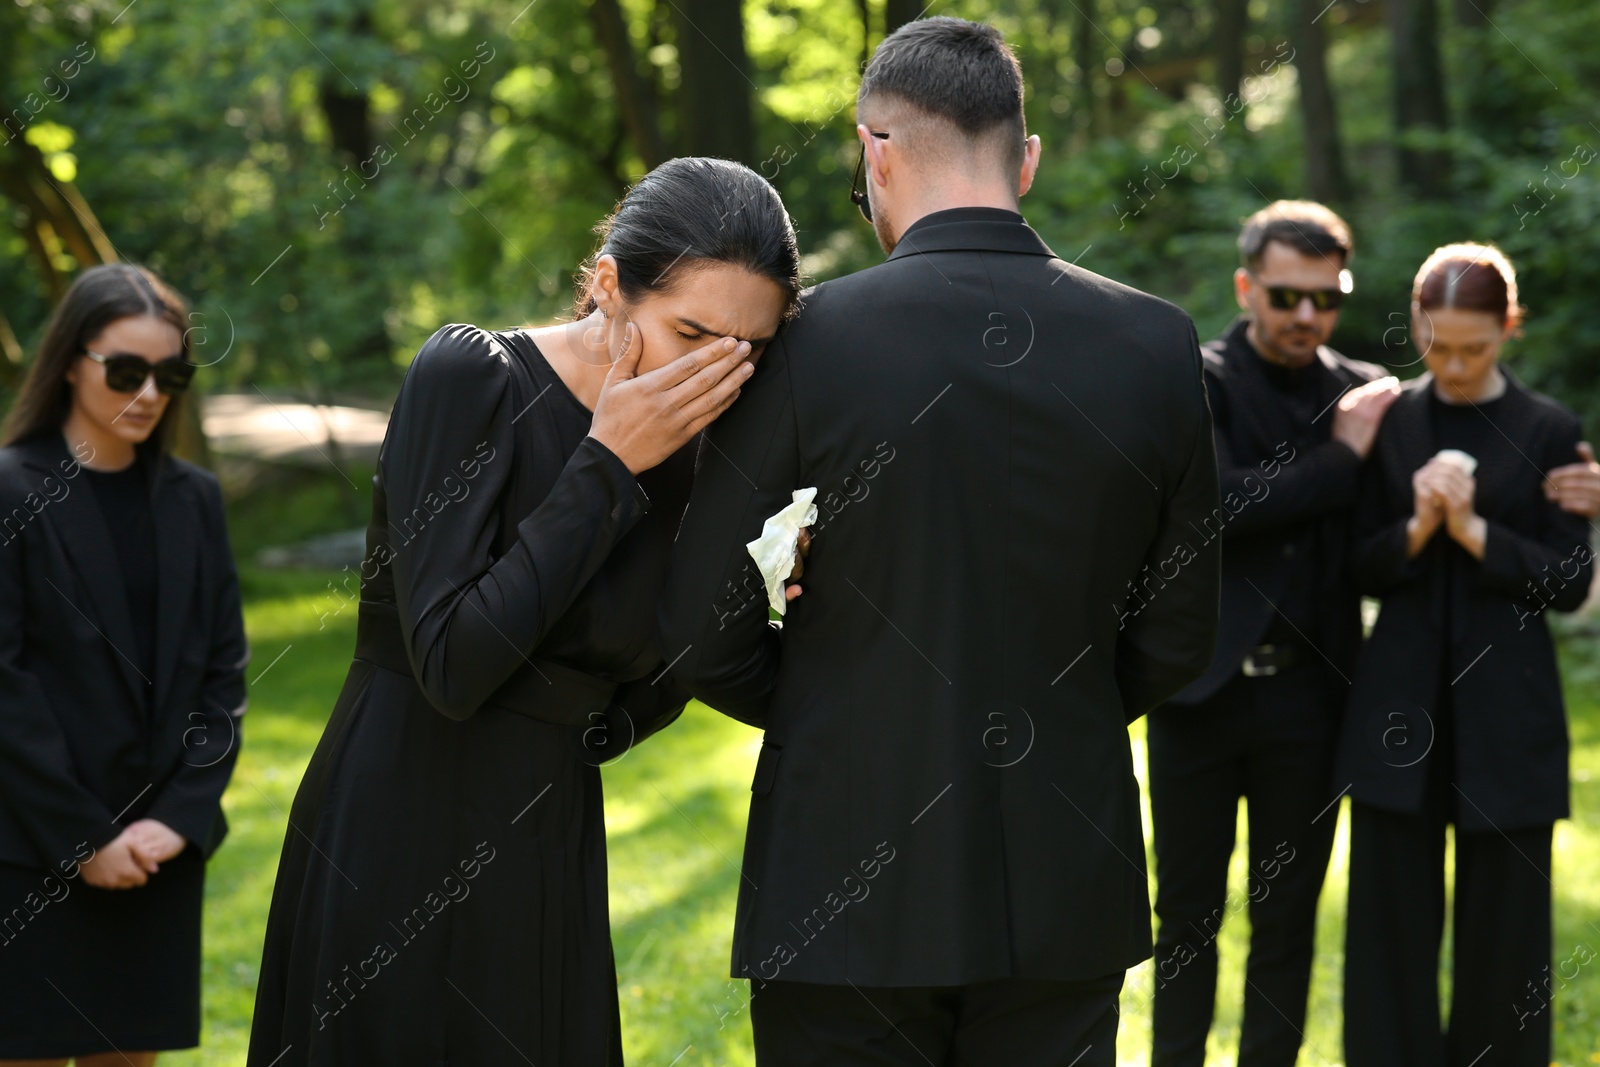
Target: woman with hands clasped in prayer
(1456, 713)
(441, 898)
(122, 656)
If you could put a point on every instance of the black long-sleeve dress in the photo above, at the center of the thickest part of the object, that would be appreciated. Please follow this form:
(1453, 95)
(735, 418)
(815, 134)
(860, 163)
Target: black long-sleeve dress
(441, 898)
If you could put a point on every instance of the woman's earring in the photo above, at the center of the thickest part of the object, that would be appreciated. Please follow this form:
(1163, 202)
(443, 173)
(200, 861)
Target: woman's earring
(594, 337)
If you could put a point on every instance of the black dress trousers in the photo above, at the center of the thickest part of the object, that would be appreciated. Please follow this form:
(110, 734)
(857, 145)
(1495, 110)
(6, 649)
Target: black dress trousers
(1267, 738)
(1017, 1022)
(1501, 978)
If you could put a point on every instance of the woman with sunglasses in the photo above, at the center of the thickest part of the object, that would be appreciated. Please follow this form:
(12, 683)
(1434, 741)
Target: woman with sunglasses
(442, 897)
(1456, 713)
(122, 654)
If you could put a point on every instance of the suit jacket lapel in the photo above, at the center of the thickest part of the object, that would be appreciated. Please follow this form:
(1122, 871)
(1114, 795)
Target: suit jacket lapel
(1270, 419)
(1414, 436)
(82, 530)
(176, 559)
(1333, 381)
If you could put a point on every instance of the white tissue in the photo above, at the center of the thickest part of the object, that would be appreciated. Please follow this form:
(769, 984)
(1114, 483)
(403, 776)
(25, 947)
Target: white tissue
(1459, 458)
(774, 550)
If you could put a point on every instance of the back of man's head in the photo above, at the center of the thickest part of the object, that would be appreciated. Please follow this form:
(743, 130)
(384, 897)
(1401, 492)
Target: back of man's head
(955, 88)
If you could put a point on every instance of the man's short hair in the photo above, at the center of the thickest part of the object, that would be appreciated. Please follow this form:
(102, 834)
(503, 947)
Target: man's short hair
(961, 72)
(1306, 226)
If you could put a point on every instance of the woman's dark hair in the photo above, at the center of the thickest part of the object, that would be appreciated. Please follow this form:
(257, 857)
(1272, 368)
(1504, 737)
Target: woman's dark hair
(1469, 276)
(100, 296)
(687, 213)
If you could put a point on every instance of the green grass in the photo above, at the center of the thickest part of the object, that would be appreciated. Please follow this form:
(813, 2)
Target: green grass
(675, 816)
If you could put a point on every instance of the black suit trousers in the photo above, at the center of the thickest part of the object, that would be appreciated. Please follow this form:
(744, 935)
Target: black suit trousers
(1018, 1022)
(1502, 980)
(1270, 739)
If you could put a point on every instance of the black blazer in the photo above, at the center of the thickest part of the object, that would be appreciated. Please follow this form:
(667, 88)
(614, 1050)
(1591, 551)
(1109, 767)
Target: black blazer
(1509, 719)
(79, 759)
(1002, 444)
(1277, 476)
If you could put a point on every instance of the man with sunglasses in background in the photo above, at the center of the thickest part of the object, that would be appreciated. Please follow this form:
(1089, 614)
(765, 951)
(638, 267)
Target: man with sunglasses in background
(1293, 421)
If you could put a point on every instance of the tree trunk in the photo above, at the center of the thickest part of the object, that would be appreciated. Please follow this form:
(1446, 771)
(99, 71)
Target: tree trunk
(1418, 87)
(1325, 175)
(1232, 17)
(864, 9)
(1473, 13)
(715, 94)
(636, 98)
(897, 13)
(11, 356)
(53, 205)
(344, 104)
(347, 108)
(1083, 55)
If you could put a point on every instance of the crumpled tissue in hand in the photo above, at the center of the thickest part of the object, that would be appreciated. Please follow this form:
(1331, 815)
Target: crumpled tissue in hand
(774, 550)
(1466, 463)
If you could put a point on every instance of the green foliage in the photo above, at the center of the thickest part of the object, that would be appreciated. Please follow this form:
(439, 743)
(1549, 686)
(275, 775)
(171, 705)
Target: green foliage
(204, 138)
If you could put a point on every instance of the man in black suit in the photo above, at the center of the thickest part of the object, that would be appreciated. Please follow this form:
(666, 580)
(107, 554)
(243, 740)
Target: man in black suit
(1012, 455)
(1293, 421)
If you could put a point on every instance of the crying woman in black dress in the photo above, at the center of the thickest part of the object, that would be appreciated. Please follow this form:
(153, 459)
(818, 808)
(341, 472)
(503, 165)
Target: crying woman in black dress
(441, 898)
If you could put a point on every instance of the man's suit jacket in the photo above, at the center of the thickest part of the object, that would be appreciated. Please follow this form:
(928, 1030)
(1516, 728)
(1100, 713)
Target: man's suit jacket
(80, 756)
(1483, 640)
(1276, 476)
(1002, 445)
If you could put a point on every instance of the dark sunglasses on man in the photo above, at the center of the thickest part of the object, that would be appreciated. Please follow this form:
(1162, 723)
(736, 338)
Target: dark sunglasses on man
(127, 373)
(1287, 297)
(857, 196)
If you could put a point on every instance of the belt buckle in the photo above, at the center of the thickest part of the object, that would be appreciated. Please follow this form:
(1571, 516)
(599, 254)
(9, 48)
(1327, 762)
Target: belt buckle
(1252, 669)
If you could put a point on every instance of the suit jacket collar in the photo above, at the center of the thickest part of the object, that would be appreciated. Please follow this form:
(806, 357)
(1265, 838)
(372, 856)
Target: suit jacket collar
(1276, 419)
(89, 542)
(1236, 345)
(971, 229)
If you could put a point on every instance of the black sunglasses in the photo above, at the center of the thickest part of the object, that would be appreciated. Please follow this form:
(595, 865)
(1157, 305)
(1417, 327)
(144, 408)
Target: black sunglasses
(127, 373)
(857, 196)
(1287, 298)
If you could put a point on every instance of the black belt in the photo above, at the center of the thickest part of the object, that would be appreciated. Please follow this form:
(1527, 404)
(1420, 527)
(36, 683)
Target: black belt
(541, 689)
(1268, 659)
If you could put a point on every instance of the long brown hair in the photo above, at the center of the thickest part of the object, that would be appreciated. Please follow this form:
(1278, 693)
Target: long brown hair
(100, 296)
